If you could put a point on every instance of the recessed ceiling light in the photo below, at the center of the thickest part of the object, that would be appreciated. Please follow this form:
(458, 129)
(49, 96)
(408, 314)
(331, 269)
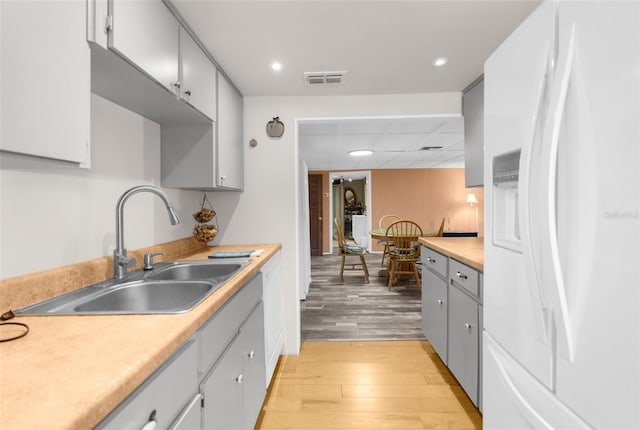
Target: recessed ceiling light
(439, 61)
(360, 152)
(276, 66)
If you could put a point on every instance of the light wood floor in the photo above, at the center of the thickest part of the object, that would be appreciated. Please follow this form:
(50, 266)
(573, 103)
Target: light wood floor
(366, 385)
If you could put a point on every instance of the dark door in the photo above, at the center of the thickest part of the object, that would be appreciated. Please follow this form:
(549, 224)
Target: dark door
(315, 214)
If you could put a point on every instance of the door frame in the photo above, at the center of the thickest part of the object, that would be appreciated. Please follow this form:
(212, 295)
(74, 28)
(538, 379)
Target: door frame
(362, 174)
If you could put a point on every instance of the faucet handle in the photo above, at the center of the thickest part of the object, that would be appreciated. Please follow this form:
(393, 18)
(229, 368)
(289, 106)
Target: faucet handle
(148, 260)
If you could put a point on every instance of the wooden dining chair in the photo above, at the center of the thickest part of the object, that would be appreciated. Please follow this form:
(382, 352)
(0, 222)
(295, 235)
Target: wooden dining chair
(405, 254)
(347, 250)
(383, 223)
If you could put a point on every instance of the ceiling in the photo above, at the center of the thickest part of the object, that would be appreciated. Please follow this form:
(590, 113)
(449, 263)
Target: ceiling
(386, 47)
(397, 143)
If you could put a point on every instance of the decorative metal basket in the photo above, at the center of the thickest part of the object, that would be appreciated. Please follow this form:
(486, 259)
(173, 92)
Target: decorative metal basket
(205, 232)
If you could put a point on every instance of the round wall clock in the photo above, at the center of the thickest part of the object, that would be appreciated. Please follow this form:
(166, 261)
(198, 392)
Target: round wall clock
(275, 127)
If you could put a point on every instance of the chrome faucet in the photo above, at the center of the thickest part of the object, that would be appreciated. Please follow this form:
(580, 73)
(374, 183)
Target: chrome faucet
(120, 260)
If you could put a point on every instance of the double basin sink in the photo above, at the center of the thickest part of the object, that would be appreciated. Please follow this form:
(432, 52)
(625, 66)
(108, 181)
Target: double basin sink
(169, 288)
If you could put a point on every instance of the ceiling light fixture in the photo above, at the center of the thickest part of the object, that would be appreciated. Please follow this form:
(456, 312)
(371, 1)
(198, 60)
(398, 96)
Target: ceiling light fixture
(439, 61)
(360, 152)
(276, 66)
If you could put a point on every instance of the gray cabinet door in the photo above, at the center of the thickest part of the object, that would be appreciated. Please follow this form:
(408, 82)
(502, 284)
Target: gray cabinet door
(235, 388)
(45, 105)
(230, 156)
(146, 33)
(252, 333)
(463, 341)
(434, 312)
(223, 392)
(473, 112)
(197, 76)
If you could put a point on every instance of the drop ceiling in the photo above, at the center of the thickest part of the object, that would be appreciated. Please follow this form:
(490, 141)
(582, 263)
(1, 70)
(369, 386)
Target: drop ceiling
(397, 143)
(386, 47)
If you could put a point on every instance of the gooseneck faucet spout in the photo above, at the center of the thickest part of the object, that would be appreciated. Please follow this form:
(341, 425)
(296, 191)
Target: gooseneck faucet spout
(120, 260)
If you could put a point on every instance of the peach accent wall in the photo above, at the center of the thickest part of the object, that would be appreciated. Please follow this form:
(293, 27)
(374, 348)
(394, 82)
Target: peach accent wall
(422, 195)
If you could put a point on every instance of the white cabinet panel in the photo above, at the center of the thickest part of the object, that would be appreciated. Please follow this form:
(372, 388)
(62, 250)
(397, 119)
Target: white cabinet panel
(273, 323)
(197, 76)
(45, 79)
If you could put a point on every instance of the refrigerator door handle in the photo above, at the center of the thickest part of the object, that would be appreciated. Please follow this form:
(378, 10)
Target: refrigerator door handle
(527, 203)
(550, 249)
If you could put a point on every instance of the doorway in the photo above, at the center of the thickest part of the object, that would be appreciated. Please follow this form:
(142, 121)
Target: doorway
(315, 214)
(350, 197)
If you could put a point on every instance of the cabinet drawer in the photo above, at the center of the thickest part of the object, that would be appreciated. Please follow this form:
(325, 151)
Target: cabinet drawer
(167, 391)
(434, 261)
(223, 325)
(464, 276)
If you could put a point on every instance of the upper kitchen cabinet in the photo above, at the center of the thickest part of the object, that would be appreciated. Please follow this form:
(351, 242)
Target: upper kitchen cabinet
(46, 77)
(148, 35)
(197, 85)
(207, 157)
(230, 129)
(473, 112)
(143, 59)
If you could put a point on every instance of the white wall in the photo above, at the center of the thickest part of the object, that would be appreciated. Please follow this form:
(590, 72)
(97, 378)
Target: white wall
(53, 215)
(56, 216)
(268, 209)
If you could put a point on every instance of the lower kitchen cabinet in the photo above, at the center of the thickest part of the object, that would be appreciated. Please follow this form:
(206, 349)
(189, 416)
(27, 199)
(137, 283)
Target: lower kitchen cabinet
(434, 311)
(235, 387)
(452, 317)
(162, 397)
(191, 416)
(463, 341)
(216, 380)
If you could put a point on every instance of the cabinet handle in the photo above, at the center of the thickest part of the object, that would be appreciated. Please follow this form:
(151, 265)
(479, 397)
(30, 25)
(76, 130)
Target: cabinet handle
(188, 93)
(152, 423)
(461, 275)
(431, 260)
(177, 84)
(440, 302)
(467, 326)
(240, 378)
(251, 354)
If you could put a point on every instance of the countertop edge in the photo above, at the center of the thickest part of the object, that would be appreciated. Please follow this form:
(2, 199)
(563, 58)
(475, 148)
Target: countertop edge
(467, 250)
(84, 405)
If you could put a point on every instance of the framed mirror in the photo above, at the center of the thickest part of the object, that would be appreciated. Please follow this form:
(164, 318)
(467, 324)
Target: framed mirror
(350, 197)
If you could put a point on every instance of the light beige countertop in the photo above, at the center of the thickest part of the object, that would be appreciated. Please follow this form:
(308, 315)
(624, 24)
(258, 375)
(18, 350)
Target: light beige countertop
(467, 250)
(69, 372)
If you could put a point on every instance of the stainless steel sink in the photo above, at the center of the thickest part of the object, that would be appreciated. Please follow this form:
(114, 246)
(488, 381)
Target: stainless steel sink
(144, 297)
(197, 270)
(171, 288)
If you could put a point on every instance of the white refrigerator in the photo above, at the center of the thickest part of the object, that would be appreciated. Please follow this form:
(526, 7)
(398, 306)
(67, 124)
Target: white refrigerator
(561, 335)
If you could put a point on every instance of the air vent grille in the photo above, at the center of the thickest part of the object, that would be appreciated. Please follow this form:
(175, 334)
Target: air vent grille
(324, 78)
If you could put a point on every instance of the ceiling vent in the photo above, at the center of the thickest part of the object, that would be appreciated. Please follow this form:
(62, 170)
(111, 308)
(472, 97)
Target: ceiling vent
(324, 78)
